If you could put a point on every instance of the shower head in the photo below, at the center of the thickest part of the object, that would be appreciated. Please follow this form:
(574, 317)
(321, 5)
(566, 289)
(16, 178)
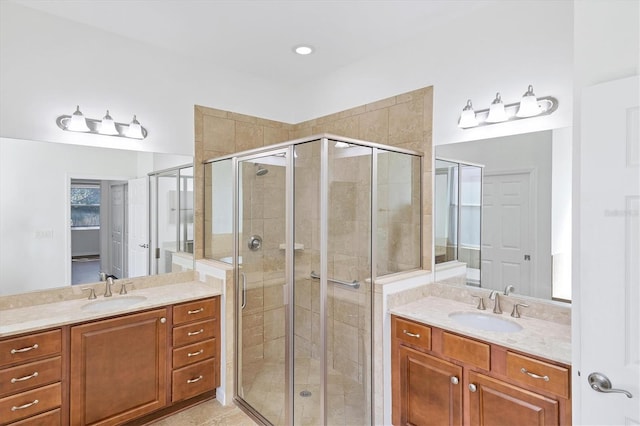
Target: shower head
(261, 171)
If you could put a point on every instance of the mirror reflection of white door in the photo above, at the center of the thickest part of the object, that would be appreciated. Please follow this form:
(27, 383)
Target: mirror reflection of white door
(506, 232)
(138, 227)
(117, 231)
(609, 252)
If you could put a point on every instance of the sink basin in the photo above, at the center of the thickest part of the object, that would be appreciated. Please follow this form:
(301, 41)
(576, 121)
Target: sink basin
(113, 303)
(486, 322)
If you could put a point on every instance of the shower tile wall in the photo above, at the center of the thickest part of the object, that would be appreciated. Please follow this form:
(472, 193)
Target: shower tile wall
(404, 121)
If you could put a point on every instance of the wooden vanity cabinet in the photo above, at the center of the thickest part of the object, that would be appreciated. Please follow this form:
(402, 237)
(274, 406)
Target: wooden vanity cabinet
(31, 379)
(452, 379)
(118, 368)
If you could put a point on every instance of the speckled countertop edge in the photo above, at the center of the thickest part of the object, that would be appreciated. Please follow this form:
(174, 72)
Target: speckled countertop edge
(546, 339)
(51, 315)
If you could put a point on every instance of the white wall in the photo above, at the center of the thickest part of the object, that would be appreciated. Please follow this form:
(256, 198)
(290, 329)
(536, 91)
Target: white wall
(503, 47)
(34, 216)
(49, 64)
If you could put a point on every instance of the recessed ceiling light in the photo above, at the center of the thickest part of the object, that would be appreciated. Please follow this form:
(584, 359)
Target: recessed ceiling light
(303, 49)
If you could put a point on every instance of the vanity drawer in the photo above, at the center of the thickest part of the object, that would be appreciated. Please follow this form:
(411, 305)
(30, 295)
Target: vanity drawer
(25, 348)
(193, 380)
(413, 333)
(466, 350)
(542, 375)
(194, 353)
(193, 311)
(26, 376)
(50, 418)
(28, 403)
(194, 332)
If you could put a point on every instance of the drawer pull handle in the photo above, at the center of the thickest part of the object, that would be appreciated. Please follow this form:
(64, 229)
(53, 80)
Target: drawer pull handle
(200, 352)
(533, 375)
(27, 349)
(195, 311)
(195, 333)
(410, 334)
(22, 379)
(454, 380)
(472, 387)
(197, 379)
(22, 407)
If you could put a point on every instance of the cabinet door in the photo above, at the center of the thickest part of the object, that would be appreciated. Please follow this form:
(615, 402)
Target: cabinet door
(494, 402)
(118, 368)
(430, 390)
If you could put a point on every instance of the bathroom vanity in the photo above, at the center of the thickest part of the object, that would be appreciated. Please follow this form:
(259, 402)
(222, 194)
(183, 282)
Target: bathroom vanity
(111, 364)
(445, 373)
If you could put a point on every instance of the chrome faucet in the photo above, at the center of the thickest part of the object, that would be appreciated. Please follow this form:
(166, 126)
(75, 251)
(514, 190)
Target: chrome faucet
(508, 289)
(107, 287)
(495, 296)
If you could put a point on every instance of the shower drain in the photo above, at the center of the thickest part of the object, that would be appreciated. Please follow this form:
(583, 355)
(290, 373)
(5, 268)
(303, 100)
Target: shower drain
(305, 393)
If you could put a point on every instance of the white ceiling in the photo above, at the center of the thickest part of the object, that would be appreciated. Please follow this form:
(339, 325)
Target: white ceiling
(256, 36)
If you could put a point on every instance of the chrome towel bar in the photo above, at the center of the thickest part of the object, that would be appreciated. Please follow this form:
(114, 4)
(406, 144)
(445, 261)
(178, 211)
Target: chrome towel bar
(353, 284)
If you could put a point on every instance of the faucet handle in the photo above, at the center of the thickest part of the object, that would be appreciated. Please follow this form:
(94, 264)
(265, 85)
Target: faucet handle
(92, 292)
(516, 312)
(508, 289)
(480, 302)
(123, 289)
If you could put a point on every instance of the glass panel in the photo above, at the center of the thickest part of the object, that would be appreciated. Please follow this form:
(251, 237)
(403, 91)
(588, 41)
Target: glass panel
(185, 229)
(167, 220)
(306, 334)
(261, 328)
(470, 220)
(399, 212)
(348, 318)
(218, 223)
(446, 211)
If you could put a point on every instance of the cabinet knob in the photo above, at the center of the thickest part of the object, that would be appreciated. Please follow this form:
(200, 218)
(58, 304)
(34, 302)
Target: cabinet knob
(472, 387)
(163, 320)
(454, 380)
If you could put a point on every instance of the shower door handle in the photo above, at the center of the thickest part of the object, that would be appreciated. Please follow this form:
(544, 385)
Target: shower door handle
(244, 290)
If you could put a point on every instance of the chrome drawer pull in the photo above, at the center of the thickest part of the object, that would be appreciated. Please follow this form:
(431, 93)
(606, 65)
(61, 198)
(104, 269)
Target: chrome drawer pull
(22, 379)
(22, 407)
(197, 379)
(533, 375)
(417, 336)
(27, 349)
(195, 333)
(200, 352)
(195, 311)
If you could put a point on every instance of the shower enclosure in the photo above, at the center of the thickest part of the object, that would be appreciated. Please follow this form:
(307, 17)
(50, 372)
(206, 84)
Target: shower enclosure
(309, 225)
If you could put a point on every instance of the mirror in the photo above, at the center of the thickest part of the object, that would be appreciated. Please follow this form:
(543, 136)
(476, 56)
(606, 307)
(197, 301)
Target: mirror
(502, 213)
(36, 237)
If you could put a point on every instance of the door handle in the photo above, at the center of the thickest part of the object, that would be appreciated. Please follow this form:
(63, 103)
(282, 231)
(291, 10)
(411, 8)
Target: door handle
(244, 290)
(601, 383)
(144, 245)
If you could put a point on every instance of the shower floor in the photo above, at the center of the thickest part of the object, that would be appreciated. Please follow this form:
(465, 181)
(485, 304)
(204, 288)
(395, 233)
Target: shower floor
(263, 388)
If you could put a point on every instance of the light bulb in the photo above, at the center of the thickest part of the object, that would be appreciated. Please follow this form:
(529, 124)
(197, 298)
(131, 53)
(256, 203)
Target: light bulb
(77, 122)
(468, 117)
(496, 111)
(529, 104)
(135, 129)
(108, 126)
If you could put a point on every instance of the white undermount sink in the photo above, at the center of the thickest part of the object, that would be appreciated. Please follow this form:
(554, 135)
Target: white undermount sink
(112, 303)
(486, 322)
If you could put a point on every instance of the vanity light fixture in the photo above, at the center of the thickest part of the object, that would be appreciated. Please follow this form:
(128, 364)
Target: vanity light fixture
(498, 112)
(107, 126)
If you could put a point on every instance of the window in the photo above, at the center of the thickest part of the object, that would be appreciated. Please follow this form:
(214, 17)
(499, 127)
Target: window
(85, 206)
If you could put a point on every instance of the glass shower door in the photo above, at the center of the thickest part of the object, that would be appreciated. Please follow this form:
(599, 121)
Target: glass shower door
(261, 287)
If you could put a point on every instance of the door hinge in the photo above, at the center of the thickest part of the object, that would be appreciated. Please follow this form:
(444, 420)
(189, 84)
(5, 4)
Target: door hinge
(527, 257)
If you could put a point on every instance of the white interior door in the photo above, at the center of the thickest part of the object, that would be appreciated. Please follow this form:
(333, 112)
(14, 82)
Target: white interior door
(506, 241)
(609, 252)
(138, 227)
(117, 230)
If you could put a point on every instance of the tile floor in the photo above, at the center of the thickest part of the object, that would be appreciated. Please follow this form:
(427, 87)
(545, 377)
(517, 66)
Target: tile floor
(208, 413)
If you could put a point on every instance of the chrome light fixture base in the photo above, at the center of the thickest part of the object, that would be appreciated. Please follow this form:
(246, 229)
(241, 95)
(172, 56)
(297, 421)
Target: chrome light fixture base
(94, 126)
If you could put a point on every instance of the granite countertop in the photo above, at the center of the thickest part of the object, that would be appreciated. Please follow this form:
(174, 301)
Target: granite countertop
(546, 339)
(40, 317)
